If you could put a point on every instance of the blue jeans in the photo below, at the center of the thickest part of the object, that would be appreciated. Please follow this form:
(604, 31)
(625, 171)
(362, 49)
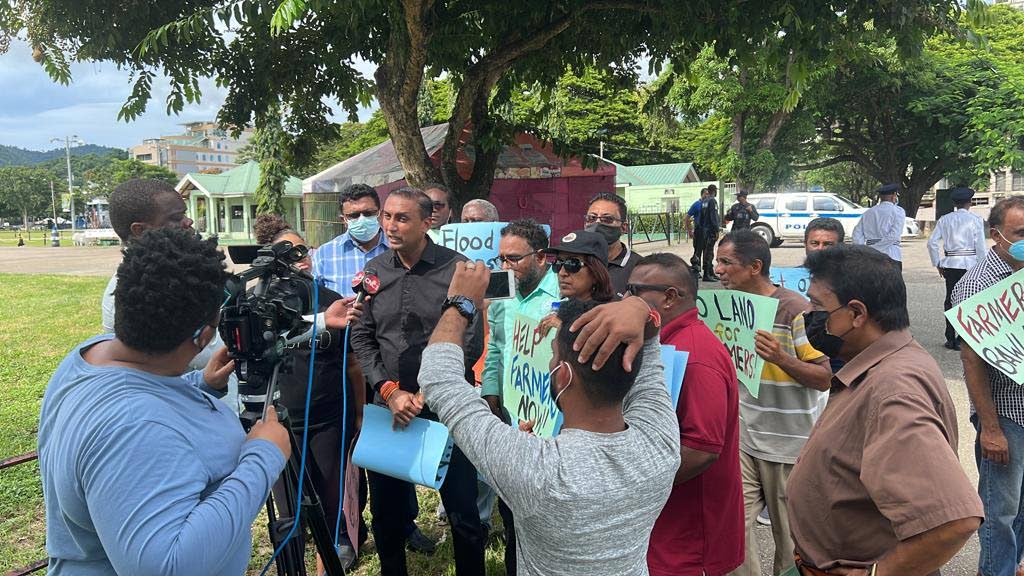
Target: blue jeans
(1000, 487)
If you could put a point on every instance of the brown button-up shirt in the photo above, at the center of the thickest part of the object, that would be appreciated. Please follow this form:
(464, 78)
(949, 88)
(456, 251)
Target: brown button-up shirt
(880, 465)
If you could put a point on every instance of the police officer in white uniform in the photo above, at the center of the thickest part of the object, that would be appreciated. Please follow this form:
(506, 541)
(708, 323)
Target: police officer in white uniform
(881, 226)
(956, 245)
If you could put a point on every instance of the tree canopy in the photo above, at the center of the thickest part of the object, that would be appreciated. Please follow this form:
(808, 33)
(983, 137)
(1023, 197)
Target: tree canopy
(302, 53)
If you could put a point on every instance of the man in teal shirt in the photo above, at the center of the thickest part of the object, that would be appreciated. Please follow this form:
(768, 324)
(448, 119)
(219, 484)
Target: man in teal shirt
(520, 250)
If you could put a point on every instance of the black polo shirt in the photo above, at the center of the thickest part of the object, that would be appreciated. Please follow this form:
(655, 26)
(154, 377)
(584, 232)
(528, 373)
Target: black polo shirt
(620, 268)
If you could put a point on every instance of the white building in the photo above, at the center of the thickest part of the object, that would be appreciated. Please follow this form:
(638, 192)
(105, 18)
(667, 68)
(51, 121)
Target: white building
(203, 147)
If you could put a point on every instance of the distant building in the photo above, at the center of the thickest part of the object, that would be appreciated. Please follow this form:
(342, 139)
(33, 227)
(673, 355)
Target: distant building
(658, 188)
(224, 205)
(1018, 4)
(203, 147)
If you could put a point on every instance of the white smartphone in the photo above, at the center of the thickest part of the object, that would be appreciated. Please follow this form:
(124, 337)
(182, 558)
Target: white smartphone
(502, 285)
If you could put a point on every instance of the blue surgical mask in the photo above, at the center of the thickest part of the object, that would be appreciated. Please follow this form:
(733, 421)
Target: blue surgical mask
(1016, 249)
(363, 229)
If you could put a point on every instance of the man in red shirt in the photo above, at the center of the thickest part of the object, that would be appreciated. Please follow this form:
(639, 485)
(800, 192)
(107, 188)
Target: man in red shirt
(701, 529)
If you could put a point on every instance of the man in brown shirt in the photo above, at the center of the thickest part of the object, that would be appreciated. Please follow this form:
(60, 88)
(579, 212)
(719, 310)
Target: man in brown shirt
(878, 488)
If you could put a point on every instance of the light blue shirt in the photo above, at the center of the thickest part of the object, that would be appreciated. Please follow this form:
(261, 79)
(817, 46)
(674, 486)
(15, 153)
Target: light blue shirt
(337, 262)
(880, 228)
(501, 317)
(958, 240)
(146, 474)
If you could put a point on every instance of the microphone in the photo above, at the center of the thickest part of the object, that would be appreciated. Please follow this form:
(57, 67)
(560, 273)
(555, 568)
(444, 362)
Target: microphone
(365, 283)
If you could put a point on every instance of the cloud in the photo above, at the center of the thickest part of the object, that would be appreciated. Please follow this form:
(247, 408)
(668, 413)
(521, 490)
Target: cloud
(34, 109)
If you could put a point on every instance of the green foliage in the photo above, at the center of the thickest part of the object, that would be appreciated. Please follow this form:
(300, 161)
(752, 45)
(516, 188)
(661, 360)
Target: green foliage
(270, 147)
(24, 193)
(101, 180)
(14, 156)
(352, 138)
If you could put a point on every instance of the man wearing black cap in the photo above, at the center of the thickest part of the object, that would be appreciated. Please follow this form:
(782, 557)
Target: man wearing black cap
(742, 213)
(882, 225)
(961, 237)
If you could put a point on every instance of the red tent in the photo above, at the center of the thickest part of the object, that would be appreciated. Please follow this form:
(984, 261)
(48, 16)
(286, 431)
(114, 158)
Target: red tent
(530, 181)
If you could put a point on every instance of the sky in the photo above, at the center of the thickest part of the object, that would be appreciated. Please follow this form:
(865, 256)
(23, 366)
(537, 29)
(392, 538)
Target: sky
(34, 108)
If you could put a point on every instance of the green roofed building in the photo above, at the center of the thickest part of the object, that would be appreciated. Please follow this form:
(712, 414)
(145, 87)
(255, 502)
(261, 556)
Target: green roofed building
(658, 188)
(224, 204)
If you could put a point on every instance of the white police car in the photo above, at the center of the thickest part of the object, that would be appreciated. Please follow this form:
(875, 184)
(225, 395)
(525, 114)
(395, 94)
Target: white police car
(785, 216)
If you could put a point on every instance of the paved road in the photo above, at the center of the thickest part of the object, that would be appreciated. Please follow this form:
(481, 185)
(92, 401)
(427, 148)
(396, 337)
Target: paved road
(924, 288)
(925, 292)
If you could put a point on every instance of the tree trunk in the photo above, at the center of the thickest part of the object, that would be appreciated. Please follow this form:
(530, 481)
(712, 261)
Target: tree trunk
(24, 219)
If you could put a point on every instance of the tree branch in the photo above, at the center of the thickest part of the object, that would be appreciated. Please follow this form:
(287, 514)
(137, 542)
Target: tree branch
(826, 163)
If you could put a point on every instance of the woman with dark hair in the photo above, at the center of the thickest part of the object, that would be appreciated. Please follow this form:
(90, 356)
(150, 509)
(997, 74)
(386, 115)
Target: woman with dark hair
(581, 262)
(325, 405)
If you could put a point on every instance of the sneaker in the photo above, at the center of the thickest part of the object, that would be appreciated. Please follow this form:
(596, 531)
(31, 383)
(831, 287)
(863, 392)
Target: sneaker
(763, 518)
(952, 345)
(347, 555)
(419, 542)
(711, 278)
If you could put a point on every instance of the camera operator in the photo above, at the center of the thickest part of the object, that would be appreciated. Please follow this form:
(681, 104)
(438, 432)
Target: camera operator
(144, 472)
(325, 404)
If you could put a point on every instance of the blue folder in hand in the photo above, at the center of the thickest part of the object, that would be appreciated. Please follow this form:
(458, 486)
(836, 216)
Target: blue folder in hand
(675, 369)
(418, 453)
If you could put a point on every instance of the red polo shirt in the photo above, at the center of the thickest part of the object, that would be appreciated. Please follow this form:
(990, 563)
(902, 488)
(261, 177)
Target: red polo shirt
(700, 530)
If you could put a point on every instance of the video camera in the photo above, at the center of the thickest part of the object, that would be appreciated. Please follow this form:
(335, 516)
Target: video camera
(256, 323)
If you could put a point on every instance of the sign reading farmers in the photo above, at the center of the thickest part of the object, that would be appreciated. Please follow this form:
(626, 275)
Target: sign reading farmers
(476, 240)
(796, 279)
(527, 394)
(992, 323)
(735, 317)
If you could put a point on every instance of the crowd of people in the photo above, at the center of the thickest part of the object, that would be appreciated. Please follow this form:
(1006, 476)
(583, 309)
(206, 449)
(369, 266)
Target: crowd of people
(849, 446)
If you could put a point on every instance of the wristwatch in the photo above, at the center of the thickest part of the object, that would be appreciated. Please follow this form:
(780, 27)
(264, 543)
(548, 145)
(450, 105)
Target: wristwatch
(464, 306)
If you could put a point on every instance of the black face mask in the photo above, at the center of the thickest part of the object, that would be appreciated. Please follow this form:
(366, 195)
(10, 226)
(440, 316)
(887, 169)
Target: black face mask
(611, 234)
(817, 334)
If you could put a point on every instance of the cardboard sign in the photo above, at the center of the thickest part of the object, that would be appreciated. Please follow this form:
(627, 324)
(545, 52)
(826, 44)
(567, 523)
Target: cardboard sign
(992, 323)
(675, 369)
(418, 453)
(527, 392)
(735, 317)
(475, 240)
(796, 279)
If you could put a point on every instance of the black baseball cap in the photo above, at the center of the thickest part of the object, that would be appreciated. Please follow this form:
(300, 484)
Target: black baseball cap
(583, 242)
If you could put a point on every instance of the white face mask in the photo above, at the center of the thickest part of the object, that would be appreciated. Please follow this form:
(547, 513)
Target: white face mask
(551, 383)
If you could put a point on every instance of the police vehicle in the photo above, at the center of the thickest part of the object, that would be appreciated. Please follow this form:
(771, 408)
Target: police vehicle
(785, 216)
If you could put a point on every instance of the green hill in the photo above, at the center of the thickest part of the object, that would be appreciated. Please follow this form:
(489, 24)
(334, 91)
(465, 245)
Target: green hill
(14, 156)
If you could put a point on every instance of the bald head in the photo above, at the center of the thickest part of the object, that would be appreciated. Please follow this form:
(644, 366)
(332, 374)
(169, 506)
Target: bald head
(666, 283)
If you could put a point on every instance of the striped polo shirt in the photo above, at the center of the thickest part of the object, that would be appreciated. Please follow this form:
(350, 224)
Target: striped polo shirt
(775, 425)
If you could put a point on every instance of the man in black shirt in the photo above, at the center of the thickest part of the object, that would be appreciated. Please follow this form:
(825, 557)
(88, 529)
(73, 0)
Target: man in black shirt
(606, 215)
(702, 220)
(389, 341)
(742, 213)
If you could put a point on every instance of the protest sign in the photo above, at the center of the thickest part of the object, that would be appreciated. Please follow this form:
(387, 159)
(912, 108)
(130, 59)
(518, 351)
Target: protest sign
(527, 393)
(992, 324)
(735, 317)
(476, 240)
(796, 279)
(418, 453)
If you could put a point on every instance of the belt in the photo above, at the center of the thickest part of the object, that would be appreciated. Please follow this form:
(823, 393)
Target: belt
(808, 570)
(963, 252)
(873, 241)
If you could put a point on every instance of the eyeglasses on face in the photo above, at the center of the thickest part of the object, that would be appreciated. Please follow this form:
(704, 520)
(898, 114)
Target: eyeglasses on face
(607, 219)
(636, 289)
(353, 216)
(511, 259)
(571, 265)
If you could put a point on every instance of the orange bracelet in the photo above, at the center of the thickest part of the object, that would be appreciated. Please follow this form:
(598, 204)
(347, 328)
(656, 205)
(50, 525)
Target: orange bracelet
(387, 389)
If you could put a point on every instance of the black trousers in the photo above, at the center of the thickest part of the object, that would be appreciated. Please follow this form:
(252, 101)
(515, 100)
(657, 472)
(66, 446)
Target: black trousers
(323, 464)
(952, 276)
(392, 515)
(703, 260)
(510, 538)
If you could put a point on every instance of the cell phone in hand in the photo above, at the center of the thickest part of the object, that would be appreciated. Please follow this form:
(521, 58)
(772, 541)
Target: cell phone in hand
(502, 285)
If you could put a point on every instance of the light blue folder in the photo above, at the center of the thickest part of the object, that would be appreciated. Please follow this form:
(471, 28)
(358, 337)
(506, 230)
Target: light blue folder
(418, 453)
(675, 368)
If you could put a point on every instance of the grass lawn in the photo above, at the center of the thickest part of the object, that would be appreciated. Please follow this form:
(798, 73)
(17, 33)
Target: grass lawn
(41, 319)
(38, 238)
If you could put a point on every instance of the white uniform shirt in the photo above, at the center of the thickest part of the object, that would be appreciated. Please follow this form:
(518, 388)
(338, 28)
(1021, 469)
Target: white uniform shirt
(881, 227)
(958, 240)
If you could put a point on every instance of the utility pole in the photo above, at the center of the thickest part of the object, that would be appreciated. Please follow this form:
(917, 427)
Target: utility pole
(600, 153)
(53, 203)
(71, 189)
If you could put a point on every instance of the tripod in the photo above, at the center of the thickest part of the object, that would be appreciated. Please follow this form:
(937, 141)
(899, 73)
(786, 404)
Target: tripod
(291, 560)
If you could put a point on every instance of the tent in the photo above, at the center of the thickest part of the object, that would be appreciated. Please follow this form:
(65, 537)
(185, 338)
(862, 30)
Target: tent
(530, 180)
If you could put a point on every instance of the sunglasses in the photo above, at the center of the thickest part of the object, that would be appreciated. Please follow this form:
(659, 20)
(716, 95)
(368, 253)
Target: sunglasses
(352, 217)
(636, 289)
(571, 265)
(438, 205)
(605, 219)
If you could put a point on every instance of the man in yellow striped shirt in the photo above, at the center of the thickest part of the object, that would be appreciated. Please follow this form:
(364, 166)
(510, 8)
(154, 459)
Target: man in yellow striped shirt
(775, 425)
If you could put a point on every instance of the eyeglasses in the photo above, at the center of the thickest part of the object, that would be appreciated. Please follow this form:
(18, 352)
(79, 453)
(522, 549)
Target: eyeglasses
(603, 219)
(355, 215)
(636, 289)
(438, 205)
(510, 259)
(571, 265)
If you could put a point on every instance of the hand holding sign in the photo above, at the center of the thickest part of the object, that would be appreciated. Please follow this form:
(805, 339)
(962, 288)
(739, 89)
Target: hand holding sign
(768, 347)
(990, 323)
